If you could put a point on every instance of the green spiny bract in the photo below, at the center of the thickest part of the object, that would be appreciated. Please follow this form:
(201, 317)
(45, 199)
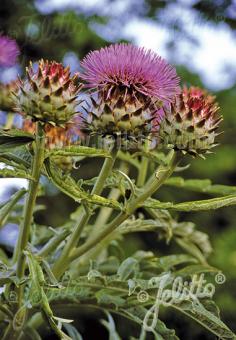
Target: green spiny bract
(49, 94)
(130, 83)
(189, 123)
(121, 114)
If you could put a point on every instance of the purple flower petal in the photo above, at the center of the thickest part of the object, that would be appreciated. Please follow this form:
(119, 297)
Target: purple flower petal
(133, 67)
(9, 51)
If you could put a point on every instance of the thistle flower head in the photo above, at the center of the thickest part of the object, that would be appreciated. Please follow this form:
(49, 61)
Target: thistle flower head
(9, 51)
(133, 68)
(191, 121)
(49, 94)
(130, 84)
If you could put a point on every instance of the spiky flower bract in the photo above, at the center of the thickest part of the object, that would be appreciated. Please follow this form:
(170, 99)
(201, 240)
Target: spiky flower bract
(9, 51)
(130, 85)
(190, 122)
(49, 94)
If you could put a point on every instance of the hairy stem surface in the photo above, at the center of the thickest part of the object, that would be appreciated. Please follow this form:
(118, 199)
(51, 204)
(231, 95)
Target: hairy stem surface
(24, 232)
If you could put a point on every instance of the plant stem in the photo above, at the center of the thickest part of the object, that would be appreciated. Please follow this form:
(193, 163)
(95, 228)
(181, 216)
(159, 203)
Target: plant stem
(143, 172)
(162, 174)
(143, 169)
(99, 237)
(24, 232)
(105, 171)
(102, 218)
(105, 213)
(53, 244)
(63, 261)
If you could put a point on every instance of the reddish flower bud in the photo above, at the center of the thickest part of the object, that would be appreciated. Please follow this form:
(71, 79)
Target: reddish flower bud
(190, 122)
(49, 94)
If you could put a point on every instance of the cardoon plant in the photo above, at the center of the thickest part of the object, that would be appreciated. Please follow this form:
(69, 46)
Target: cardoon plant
(53, 274)
(129, 86)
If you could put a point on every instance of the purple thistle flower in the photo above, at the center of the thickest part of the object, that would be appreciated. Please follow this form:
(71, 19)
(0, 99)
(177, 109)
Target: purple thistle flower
(9, 51)
(132, 67)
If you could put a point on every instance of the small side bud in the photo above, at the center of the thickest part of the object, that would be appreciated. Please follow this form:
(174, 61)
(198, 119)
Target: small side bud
(189, 123)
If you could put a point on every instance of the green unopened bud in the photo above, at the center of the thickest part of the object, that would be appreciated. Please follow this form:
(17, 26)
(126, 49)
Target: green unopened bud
(189, 124)
(49, 94)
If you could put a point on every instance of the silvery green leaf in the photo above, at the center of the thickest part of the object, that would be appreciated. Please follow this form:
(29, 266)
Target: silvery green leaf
(7, 276)
(68, 186)
(201, 185)
(110, 326)
(137, 314)
(199, 312)
(170, 261)
(14, 173)
(189, 238)
(137, 225)
(191, 248)
(77, 150)
(72, 332)
(108, 297)
(9, 205)
(203, 205)
(196, 269)
(128, 268)
(10, 139)
(63, 320)
(20, 156)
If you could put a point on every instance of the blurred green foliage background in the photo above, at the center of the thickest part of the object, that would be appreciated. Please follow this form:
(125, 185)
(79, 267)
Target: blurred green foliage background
(66, 31)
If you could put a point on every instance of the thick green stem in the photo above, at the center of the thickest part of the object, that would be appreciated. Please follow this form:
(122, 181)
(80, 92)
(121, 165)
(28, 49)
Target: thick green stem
(105, 171)
(100, 236)
(24, 232)
(53, 244)
(162, 174)
(143, 172)
(105, 213)
(63, 261)
(102, 218)
(143, 169)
